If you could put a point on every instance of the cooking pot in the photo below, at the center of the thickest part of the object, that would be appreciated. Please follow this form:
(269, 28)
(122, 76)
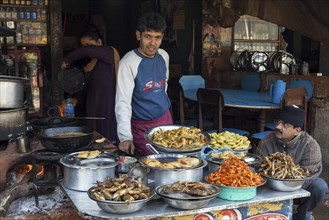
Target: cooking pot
(66, 139)
(11, 92)
(82, 174)
(12, 123)
(162, 176)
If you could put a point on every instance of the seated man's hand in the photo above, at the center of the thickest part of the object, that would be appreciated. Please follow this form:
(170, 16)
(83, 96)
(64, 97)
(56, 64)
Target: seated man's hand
(127, 147)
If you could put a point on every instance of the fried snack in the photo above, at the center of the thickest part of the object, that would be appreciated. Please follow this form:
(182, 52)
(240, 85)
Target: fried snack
(179, 163)
(236, 173)
(88, 154)
(280, 165)
(192, 188)
(229, 139)
(227, 154)
(122, 189)
(181, 138)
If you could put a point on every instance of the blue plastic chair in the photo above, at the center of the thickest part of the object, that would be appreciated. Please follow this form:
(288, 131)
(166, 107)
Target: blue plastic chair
(261, 135)
(299, 83)
(192, 82)
(250, 82)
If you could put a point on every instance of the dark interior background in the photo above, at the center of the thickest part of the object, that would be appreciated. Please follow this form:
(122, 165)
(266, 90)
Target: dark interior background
(119, 17)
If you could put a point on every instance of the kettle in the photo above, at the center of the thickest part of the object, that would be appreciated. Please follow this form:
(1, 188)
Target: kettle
(276, 90)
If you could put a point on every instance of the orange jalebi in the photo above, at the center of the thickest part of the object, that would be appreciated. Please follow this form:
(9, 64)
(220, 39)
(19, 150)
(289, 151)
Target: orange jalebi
(236, 173)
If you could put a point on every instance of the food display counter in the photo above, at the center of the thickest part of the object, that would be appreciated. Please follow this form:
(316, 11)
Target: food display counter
(268, 204)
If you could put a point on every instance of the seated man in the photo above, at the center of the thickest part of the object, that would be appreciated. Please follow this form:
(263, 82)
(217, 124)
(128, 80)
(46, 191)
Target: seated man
(303, 148)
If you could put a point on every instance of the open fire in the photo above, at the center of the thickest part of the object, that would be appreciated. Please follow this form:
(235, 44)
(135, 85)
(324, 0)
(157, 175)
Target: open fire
(30, 179)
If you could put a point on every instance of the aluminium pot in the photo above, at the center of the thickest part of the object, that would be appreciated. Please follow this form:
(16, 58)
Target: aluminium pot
(11, 92)
(163, 176)
(12, 123)
(66, 139)
(82, 174)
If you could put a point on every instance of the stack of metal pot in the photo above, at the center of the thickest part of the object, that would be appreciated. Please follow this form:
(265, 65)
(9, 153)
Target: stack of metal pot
(13, 115)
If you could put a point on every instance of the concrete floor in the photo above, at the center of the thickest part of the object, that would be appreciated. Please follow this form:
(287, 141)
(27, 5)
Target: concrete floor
(321, 212)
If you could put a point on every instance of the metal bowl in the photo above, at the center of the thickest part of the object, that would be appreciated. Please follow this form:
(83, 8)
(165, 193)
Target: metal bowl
(184, 201)
(125, 164)
(119, 207)
(285, 185)
(149, 138)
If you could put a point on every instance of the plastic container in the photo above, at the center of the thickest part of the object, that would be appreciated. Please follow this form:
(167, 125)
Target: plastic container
(276, 91)
(68, 108)
(237, 193)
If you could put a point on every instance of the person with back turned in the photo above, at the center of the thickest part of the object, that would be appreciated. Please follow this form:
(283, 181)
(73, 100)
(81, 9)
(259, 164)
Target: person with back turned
(289, 137)
(141, 99)
(98, 94)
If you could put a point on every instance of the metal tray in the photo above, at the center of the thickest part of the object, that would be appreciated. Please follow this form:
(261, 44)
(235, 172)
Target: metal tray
(165, 158)
(185, 196)
(149, 138)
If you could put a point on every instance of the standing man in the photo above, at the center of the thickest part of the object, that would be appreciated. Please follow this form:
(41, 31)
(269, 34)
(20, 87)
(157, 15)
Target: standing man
(141, 98)
(288, 137)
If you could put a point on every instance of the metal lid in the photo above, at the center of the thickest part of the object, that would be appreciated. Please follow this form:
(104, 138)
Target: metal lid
(104, 160)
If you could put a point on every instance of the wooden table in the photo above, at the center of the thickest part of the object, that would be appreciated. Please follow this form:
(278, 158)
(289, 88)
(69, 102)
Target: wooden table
(243, 99)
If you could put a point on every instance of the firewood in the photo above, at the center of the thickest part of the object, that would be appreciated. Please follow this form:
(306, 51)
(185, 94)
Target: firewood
(21, 189)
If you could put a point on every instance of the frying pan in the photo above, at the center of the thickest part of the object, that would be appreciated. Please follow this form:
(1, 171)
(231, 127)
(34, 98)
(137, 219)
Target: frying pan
(53, 139)
(51, 122)
(71, 80)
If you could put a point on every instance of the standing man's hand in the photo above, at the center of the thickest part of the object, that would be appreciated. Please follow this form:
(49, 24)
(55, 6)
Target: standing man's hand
(127, 147)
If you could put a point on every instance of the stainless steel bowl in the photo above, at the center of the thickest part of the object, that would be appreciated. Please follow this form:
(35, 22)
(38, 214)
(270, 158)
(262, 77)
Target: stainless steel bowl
(184, 201)
(125, 164)
(149, 138)
(285, 185)
(120, 207)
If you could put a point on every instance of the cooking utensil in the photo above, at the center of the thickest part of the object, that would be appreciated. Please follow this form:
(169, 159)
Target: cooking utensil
(82, 174)
(11, 92)
(51, 122)
(54, 139)
(184, 201)
(23, 144)
(149, 138)
(161, 176)
(165, 158)
(119, 207)
(285, 185)
(71, 80)
(12, 123)
(125, 164)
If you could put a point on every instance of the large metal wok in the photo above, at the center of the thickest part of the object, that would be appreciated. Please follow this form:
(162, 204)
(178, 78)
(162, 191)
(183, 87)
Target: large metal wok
(52, 122)
(66, 139)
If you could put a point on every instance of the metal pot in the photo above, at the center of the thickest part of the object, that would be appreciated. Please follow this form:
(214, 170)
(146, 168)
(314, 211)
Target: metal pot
(12, 123)
(66, 139)
(11, 92)
(82, 174)
(162, 176)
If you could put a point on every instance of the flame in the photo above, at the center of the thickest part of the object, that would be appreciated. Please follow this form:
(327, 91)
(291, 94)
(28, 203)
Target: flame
(23, 169)
(42, 171)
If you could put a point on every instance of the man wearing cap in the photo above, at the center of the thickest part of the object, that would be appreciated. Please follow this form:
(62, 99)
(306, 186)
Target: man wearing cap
(289, 137)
